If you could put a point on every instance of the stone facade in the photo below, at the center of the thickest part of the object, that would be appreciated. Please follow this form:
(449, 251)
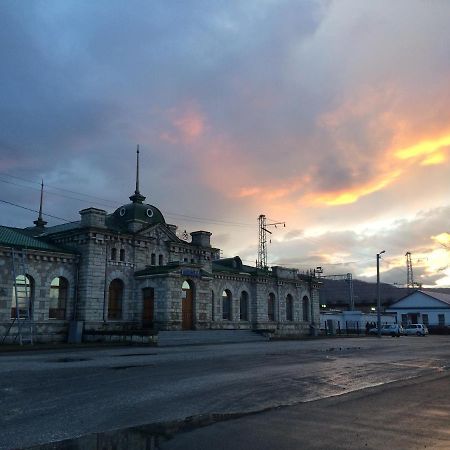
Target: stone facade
(129, 271)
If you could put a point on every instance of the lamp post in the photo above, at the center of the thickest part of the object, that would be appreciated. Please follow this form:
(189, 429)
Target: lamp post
(378, 294)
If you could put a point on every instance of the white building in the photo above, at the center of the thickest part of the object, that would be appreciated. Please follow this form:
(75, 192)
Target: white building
(427, 307)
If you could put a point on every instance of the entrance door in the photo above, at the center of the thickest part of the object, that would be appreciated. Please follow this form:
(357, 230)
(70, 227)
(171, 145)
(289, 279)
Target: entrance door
(148, 296)
(187, 306)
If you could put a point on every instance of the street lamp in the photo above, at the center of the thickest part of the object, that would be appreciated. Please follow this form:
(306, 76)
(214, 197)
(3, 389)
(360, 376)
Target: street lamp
(378, 294)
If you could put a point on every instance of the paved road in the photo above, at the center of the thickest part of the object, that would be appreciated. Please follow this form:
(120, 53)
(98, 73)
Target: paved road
(48, 396)
(412, 414)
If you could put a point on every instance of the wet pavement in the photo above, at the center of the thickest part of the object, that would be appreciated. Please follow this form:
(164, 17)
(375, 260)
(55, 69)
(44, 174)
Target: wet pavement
(51, 396)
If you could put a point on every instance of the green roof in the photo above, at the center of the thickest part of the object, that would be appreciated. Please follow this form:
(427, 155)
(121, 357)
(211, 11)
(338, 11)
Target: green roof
(15, 237)
(185, 269)
(140, 212)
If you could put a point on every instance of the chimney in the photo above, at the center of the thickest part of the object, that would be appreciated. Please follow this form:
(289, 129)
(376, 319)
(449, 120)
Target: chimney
(93, 217)
(201, 238)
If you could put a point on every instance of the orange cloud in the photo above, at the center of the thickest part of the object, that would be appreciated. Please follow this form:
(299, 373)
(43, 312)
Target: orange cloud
(423, 148)
(352, 195)
(190, 125)
(186, 124)
(435, 158)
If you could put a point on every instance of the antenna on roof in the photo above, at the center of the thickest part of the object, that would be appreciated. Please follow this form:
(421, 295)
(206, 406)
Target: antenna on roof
(40, 222)
(137, 197)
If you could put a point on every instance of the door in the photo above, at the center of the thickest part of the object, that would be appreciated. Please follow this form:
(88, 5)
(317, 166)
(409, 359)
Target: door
(148, 296)
(187, 306)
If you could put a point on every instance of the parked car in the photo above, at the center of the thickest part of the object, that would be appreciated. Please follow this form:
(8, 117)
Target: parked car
(393, 329)
(418, 329)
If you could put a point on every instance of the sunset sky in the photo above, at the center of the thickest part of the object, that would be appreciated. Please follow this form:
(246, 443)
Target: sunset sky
(333, 116)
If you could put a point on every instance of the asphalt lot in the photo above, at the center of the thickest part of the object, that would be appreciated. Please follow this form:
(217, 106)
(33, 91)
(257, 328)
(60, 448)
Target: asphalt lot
(54, 395)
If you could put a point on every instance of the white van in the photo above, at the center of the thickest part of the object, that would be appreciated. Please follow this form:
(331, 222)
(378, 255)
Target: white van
(418, 329)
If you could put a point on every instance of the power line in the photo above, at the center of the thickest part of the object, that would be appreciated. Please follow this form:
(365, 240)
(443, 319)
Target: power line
(58, 188)
(34, 210)
(111, 203)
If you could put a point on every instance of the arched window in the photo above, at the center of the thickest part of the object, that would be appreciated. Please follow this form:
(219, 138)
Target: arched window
(289, 308)
(24, 287)
(59, 289)
(244, 306)
(226, 305)
(122, 254)
(115, 296)
(161, 260)
(113, 254)
(305, 304)
(153, 259)
(271, 307)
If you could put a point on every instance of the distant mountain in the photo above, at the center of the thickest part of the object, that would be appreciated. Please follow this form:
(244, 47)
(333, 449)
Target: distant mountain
(335, 294)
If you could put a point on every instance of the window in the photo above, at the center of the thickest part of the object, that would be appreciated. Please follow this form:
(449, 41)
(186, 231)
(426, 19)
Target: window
(271, 307)
(244, 306)
(305, 304)
(425, 319)
(122, 254)
(226, 305)
(25, 294)
(404, 319)
(441, 320)
(113, 254)
(153, 259)
(289, 308)
(161, 260)
(59, 289)
(115, 296)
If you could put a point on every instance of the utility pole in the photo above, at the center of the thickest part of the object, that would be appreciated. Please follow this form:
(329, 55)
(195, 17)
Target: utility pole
(261, 262)
(378, 294)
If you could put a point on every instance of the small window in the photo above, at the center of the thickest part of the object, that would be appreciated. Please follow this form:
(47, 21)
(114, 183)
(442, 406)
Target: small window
(153, 259)
(161, 260)
(441, 320)
(113, 254)
(425, 319)
(122, 254)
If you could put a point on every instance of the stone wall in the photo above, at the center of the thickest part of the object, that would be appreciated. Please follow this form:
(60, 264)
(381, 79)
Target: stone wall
(41, 267)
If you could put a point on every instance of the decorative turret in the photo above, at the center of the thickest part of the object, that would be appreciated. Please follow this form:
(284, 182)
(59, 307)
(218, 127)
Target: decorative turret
(137, 197)
(40, 222)
(136, 215)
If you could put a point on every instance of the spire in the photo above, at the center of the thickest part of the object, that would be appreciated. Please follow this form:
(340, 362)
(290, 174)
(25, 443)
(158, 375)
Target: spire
(40, 222)
(137, 197)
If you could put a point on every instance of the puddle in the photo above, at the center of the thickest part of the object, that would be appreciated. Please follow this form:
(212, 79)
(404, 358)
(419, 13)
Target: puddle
(136, 366)
(68, 360)
(144, 437)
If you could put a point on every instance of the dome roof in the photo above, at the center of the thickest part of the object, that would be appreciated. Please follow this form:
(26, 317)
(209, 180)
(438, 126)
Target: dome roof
(136, 212)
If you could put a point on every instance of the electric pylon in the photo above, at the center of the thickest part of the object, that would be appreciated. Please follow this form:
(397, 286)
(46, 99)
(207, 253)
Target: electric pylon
(409, 272)
(261, 262)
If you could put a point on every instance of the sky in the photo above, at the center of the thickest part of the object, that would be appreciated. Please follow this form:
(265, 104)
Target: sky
(330, 116)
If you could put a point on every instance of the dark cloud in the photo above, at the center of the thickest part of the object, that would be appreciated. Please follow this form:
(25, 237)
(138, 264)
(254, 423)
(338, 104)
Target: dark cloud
(284, 98)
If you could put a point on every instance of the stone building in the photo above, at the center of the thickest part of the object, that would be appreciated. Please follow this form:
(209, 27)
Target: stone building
(129, 270)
